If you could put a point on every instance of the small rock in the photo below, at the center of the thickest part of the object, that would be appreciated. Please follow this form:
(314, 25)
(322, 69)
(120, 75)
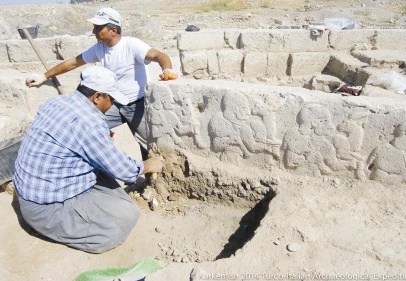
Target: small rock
(293, 247)
(147, 195)
(153, 204)
(194, 195)
(173, 197)
(256, 184)
(158, 229)
(161, 189)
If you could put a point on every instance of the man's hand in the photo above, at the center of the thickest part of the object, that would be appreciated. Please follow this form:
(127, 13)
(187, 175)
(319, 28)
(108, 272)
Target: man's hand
(168, 74)
(35, 80)
(153, 165)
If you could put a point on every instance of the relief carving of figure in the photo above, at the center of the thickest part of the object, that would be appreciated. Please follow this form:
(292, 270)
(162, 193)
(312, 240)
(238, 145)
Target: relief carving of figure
(231, 131)
(189, 124)
(348, 142)
(167, 127)
(267, 116)
(387, 162)
(309, 145)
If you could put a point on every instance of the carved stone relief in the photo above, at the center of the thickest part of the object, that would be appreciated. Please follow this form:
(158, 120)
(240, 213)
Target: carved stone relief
(241, 127)
(170, 119)
(315, 145)
(348, 142)
(387, 162)
(239, 131)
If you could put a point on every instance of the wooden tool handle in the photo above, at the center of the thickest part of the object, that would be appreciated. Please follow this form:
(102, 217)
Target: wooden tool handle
(42, 59)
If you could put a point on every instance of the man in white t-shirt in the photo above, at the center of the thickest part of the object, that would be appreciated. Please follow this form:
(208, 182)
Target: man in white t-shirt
(127, 57)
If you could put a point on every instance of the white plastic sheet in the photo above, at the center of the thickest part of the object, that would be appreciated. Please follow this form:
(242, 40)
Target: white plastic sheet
(339, 23)
(390, 80)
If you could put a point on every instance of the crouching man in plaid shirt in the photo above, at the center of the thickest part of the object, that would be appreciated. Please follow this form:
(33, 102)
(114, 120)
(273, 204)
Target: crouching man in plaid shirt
(67, 165)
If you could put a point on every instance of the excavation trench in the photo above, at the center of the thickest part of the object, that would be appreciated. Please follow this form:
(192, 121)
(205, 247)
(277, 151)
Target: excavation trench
(247, 227)
(211, 214)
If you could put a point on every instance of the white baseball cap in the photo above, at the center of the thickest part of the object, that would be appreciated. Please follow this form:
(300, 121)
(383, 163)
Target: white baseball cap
(105, 16)
(102, 80)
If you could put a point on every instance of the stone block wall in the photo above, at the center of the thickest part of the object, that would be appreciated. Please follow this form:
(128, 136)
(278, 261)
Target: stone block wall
(262, 126)
(19, 54)
(19, 104)
(253, 53)
(279, 128)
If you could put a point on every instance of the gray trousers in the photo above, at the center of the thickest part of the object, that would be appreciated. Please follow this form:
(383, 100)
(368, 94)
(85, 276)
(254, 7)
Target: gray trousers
(133, 115)
(95, 221)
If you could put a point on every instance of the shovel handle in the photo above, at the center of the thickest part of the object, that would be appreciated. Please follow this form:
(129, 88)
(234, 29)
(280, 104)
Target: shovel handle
(54, 79)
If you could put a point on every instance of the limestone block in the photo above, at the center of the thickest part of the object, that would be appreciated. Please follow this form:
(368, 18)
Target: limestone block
(391, 39)
(201, 40)
(230, 61)
(255, 64)
(300, 40)
(17, 98)
(53, 48)
(308, 63)
(363, 74)
(22, 51)
(283, 40)
(345, 67)
(325, 83)
(232, 38)
(70, 46)
(212, 61)
(13, 109)
(253, 40)
(347, 39)
(31, 66)
(3, 52)
(193, 61)
(382, 58)
(277, 64)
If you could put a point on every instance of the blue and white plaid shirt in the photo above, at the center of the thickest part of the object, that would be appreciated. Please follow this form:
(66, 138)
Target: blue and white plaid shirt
(64, 147)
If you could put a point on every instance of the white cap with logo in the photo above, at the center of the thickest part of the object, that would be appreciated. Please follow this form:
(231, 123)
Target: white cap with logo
(105, 16)
(102, 80)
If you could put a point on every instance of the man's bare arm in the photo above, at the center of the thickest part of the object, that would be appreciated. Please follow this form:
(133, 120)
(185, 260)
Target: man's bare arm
(65, 66)
(164, 61)
(61, 68)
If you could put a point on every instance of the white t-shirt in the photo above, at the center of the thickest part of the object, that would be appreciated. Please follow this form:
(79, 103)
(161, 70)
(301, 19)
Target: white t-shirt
(127, 60)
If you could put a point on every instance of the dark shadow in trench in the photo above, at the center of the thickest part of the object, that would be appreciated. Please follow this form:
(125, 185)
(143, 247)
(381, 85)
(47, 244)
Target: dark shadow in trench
(248, 224)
